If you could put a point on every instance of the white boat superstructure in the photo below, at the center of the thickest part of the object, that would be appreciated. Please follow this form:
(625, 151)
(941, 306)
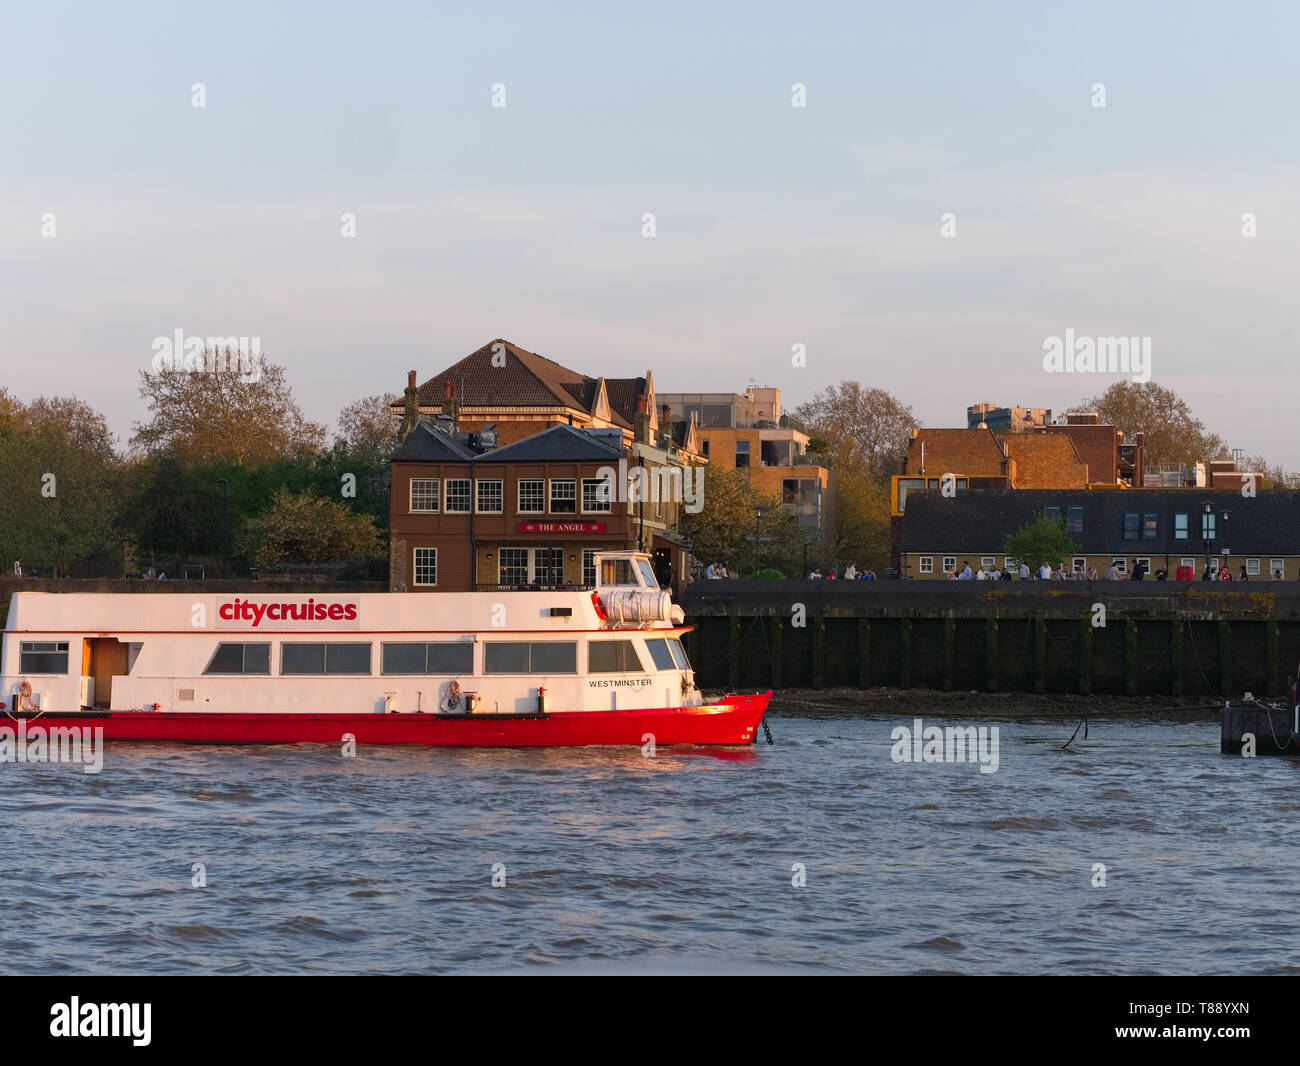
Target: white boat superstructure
(527, 652)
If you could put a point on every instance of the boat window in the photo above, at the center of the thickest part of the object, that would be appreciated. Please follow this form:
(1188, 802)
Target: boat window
(647, 573)
(457, 658)
(679, 655)
(324, 658)
(616, 572)
(613, 657)
(44, 657)
(661, 655)
(540, 657)
(235, 658)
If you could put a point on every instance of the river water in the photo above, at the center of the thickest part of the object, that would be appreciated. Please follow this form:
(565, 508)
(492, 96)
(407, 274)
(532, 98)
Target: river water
(614, 862)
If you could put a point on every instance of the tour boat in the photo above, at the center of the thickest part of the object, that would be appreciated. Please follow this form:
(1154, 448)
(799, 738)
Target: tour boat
(517, 668)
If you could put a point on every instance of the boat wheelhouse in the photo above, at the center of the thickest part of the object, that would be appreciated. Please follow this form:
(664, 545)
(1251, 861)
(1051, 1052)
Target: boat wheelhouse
(526, 667)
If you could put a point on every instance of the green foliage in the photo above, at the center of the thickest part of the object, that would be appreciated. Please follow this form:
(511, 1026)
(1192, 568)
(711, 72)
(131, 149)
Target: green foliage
(303, 528)
(724, 529)
(60, 473)
(1043, 542)
(769, 573)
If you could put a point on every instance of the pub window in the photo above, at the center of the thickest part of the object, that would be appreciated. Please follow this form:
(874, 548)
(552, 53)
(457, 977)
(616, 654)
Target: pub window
(597, 494)
(1121, 564)
(1207, 525)
(1180, 527)
(1277, 566)
(426, 566)
(1052, 514)
(564, 495)
(446, 658)
(532, 495)
(514, 566)
(987, 562)
(490, 496)
(457, 496)
(1252, 567)
(43, 657)
(424, 495)
(949, 563)
(235, 658)
(589, 567)
(613, 657)
(1074, 520)
(1131, 526)
(927, 564)
(1150, 527)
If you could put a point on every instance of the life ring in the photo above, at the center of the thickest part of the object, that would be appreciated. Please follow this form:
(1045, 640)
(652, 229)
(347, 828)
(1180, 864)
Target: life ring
(452, 700)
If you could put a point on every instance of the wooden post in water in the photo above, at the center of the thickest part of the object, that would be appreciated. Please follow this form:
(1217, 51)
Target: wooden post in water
(1176, 654)
(819, 652)
(1085, 655)
(1274, 660)
(905, 653)
(864, 653)
(991, 653)
(733, 646)
(778, 651)
(1225, 658)
(949, 650)
(1040, 654)
(1131, 656)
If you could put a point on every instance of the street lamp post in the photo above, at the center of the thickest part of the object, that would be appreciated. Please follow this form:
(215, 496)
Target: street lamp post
(225, 527)
(758, 544)
(1206, 538)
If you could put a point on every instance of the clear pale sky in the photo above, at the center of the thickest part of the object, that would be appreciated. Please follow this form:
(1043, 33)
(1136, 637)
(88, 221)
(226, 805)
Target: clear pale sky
(775, 225)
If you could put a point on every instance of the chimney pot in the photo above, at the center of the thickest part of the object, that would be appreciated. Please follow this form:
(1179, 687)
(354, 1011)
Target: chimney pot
(410, 378)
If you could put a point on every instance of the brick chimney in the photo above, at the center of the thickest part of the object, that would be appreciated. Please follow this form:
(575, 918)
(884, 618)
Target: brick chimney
(450, 405)
(411, 416)
(641, 426)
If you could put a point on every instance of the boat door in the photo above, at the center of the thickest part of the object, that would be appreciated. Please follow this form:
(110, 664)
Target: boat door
(103, 659)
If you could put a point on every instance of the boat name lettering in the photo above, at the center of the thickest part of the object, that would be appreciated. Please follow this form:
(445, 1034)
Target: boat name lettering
(636, 682)
(247, 611)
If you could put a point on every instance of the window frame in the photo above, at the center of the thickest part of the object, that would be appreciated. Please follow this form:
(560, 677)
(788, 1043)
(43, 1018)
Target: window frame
(468, 495)
(551, 497)
(925, 564)
(416, 567)
(437, 495)
(479, 485)
(1182, 525)
(36, 647)
(243, 670)
(541, 495)
(599, 483)
(949, 564)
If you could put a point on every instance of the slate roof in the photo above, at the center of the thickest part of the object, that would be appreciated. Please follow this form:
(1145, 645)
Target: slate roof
(974, 521)
(426, 444)
(559, 444)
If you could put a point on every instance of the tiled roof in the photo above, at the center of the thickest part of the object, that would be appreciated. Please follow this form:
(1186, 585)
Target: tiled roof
(980, 521)
(622, 393)
(526, 380)
(558, 444)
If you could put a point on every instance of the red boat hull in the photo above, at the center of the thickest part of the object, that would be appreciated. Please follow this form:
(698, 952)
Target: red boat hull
(732, 720)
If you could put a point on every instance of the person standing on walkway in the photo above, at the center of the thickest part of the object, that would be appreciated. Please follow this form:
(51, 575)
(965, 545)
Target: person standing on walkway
(18, 567)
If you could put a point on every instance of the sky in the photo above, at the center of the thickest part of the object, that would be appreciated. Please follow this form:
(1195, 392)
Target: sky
(774, 225)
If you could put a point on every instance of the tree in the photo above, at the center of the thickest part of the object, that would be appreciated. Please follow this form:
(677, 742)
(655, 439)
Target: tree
(724, 528)
(302, 528)
(865, 430)
(60, 473)
(222, 413)
(1043, 542)
(1173, 434)
(367, 428)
